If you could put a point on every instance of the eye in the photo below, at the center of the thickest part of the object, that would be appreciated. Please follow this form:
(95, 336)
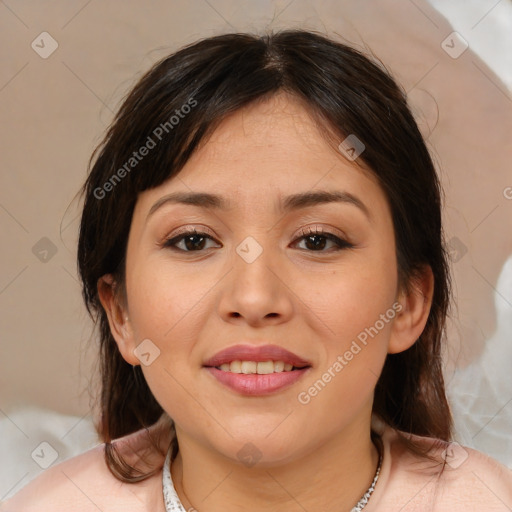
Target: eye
(316, 240)
(191, 241)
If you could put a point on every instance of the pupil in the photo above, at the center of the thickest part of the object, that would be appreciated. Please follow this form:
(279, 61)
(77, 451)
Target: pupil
(320, 243)
(189, 242)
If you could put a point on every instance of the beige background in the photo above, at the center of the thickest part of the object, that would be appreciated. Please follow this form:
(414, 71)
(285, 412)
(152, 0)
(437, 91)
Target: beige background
(55, 110)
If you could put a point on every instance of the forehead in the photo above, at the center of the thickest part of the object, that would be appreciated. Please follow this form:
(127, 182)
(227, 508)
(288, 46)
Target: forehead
(266, 151)
(267, 120)
(272, 141)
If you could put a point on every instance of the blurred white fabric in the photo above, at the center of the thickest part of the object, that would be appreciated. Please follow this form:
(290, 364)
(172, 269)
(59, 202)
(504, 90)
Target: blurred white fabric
(472, 19)
(32, 439)
(481, 393)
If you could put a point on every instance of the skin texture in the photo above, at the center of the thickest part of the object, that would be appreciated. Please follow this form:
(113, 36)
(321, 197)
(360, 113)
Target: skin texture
(313, 302)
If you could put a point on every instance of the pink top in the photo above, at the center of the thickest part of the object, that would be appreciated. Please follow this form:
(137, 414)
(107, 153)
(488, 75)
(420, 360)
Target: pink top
(471, 481)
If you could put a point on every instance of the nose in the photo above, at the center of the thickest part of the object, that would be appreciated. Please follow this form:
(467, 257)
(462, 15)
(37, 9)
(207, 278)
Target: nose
(257, 291)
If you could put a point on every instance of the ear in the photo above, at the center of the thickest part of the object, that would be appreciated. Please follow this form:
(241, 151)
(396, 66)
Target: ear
(118, 318)
(412, 317)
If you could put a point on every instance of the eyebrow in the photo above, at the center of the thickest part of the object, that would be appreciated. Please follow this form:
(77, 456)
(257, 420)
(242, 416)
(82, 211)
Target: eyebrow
(305, 199)
(292, 202)
(202, 199)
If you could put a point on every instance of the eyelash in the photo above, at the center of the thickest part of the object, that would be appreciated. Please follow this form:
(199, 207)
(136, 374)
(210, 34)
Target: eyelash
(340, 242)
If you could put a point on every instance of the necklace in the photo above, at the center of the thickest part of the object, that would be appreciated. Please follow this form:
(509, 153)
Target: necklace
(173, 503)
(366, 496)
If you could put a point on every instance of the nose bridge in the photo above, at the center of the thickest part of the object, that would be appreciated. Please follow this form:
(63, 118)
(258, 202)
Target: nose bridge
(252, 264)
(256, 291)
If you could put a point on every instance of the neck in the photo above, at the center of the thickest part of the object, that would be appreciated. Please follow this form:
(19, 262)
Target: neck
(332, 476)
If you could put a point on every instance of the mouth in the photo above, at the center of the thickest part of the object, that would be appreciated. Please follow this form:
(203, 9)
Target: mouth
(257, 370)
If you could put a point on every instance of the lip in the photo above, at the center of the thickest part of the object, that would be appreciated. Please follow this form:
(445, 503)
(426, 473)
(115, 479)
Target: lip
(254, 384)
(257, 354)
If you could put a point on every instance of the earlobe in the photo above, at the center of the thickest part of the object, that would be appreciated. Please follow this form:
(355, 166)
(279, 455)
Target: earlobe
(413, 315)
(118, 318)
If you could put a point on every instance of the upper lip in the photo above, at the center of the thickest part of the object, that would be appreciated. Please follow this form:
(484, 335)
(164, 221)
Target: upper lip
(256, 353)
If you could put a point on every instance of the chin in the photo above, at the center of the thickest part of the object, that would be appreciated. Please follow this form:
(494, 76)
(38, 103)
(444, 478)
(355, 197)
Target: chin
(259, 452)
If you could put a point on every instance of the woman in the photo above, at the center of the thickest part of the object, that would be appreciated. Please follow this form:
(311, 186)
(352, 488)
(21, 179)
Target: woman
(261, 245)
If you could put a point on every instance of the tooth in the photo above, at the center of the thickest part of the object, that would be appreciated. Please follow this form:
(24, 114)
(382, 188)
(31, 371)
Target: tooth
(265, 367)
(252, 367)
(235, 367)
(248, 367)
(278, 366)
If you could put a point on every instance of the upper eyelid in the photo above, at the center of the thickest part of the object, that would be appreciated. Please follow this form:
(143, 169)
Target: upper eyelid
(191, 230)
(325, 231)
(313, 230)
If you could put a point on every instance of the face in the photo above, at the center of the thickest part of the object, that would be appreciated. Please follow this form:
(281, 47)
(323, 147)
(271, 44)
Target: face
(318, 279)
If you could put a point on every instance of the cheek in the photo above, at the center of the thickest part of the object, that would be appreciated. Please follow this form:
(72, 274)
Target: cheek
(360, 315)
(166, 308)
(356, 308)
(164, 300)
(352, 297)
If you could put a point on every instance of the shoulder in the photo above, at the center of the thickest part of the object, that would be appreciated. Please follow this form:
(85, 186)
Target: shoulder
(455, 478)
(85, 484)
(476, 479)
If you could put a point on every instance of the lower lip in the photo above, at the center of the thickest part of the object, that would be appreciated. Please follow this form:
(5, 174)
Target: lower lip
(255, 384)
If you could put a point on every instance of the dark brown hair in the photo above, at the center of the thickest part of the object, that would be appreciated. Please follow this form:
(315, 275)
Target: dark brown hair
(180, 102)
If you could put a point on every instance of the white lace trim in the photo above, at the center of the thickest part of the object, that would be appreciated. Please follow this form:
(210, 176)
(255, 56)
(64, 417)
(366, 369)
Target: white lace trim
(171, 500)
